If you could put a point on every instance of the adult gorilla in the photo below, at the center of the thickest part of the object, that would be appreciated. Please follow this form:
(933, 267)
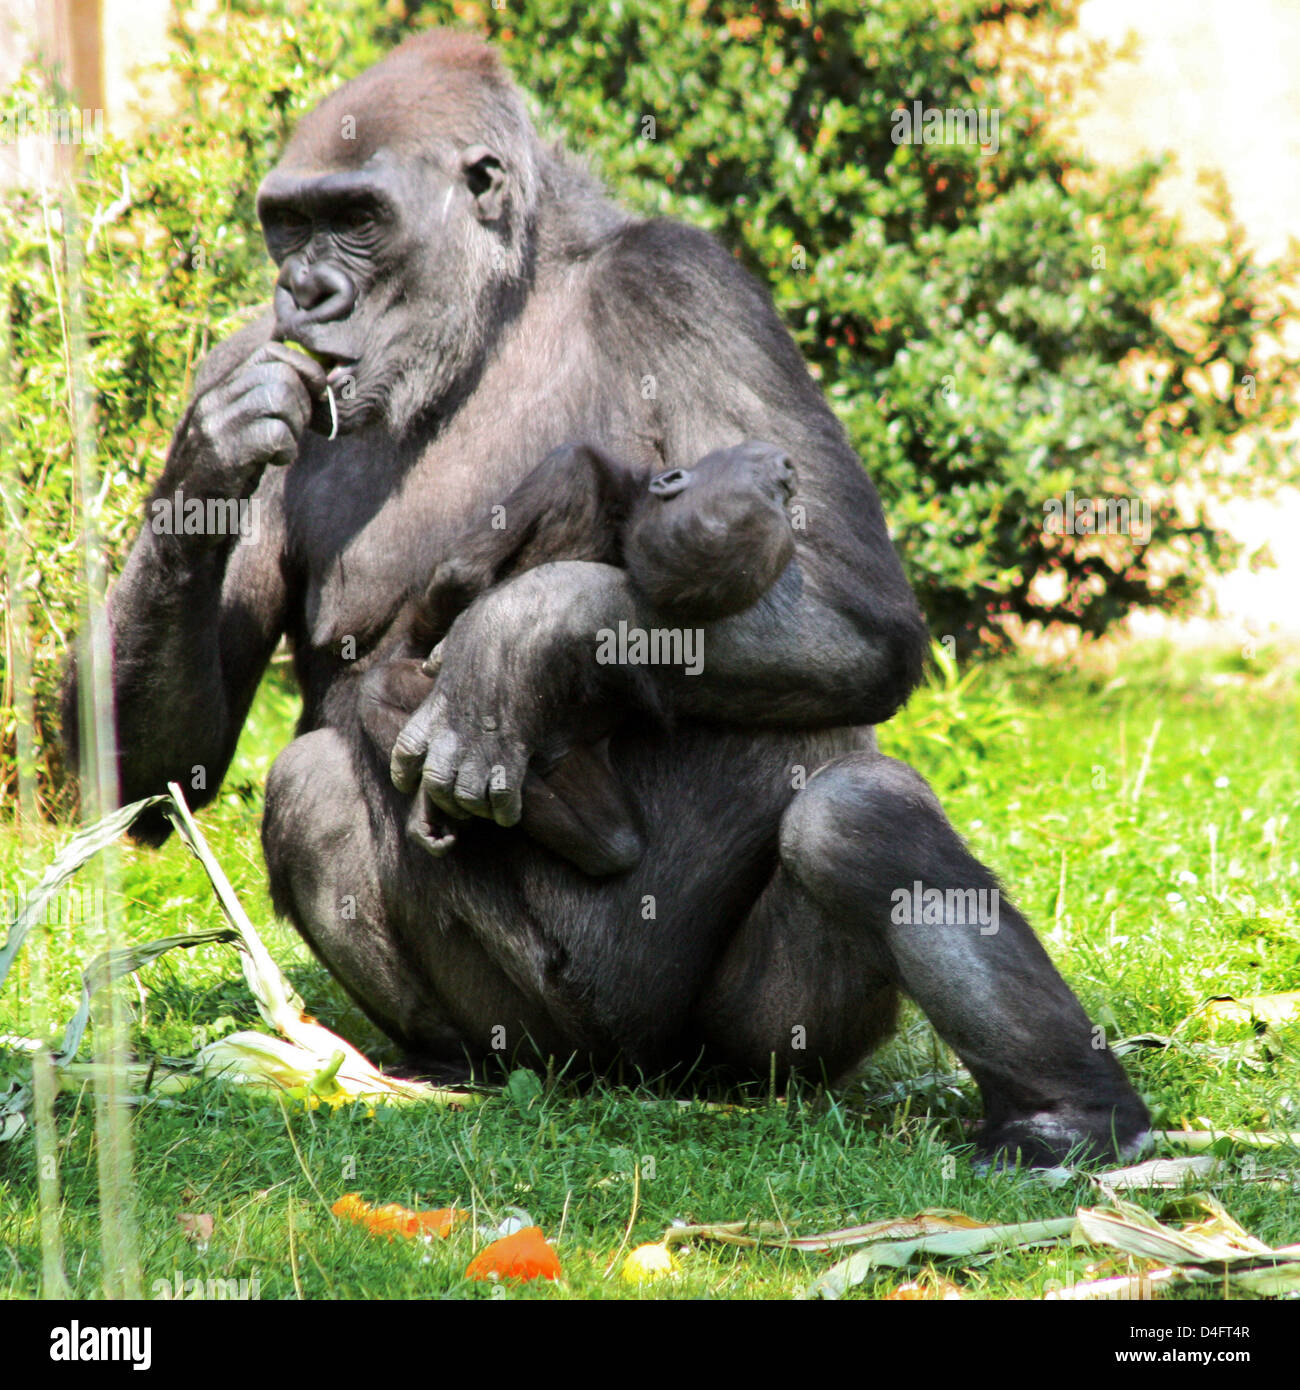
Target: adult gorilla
(471, 301)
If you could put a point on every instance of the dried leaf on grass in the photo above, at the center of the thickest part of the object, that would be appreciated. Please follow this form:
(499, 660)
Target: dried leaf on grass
(1212, 1248)
(1226, 1139)
(960, 1242)
(308, 1059)
(355, 1077)
(777, 1236)
(1160, 1172)
(1269, 1009)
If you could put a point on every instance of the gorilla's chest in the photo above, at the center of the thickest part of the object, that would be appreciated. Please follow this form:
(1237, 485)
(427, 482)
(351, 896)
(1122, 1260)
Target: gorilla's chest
(367, 526)
(366, 532)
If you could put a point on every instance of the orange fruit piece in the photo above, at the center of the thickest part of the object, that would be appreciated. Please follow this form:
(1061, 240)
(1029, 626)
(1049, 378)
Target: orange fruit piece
(524, 1255)
(395, 1220)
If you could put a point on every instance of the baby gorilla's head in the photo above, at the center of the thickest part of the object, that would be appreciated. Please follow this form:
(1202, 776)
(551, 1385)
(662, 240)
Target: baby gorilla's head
(723, 522)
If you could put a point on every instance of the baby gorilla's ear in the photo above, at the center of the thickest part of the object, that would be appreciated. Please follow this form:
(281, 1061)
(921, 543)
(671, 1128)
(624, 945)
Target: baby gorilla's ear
(671, 483)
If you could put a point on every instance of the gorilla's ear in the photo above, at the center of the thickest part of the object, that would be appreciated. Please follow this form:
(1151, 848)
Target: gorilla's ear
(485, 177)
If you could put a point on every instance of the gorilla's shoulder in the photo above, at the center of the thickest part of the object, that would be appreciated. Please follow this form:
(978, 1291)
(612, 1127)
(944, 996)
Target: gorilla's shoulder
(670, 269)
(676, 250)
(230, 352)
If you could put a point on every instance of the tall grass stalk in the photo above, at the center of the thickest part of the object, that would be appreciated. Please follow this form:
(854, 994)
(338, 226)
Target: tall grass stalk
(99, 791)
(21, 699)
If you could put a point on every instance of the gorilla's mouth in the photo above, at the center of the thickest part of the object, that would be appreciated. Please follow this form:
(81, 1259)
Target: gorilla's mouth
(335, 365)
(337, 369)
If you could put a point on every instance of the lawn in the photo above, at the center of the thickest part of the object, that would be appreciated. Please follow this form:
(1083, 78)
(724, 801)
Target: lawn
(1142, 813)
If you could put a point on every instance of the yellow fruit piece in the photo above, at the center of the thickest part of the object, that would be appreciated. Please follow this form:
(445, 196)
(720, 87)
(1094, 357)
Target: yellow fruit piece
(1271, 1009)
(648, 1262)
(298, 347)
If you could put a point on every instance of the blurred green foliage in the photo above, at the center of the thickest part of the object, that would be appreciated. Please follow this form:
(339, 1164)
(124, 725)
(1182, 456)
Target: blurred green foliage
(994, 330)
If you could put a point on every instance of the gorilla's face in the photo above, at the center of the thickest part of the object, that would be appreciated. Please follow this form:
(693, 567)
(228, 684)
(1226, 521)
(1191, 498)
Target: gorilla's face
(394, 271)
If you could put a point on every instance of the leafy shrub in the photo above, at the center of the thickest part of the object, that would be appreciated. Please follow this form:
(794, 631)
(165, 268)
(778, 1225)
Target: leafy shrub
(994, 331)
(954, 724)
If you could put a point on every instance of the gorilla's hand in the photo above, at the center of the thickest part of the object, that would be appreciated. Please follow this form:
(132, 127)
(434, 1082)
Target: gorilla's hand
(250, 418)
(517, 679)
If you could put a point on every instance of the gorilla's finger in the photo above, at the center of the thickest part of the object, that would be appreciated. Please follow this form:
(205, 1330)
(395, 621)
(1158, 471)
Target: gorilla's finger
(433, 662)
(425, 830)
(406, 764)
(311, 371)
(471, 790)
(441, 769)
(505, 793)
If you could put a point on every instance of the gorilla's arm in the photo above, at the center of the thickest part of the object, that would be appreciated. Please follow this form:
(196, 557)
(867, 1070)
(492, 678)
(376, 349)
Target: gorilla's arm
(837, 640)
(194, 618)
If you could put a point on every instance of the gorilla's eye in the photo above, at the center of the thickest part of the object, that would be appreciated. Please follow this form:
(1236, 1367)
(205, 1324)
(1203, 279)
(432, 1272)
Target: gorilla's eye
(357, 218)
(291, 224)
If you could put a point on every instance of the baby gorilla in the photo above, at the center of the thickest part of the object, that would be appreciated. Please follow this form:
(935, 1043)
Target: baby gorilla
(699, 544)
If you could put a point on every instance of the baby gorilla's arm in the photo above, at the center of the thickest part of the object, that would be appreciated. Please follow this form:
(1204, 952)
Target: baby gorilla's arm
(573, 506)
(700, 543)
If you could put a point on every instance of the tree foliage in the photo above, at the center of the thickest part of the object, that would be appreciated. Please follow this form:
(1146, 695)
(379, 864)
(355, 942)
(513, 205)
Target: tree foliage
(996, 329)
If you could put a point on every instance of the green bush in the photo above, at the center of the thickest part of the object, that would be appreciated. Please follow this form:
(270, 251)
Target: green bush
(994, 331)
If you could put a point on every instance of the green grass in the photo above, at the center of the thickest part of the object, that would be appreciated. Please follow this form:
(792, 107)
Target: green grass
(1150, 898)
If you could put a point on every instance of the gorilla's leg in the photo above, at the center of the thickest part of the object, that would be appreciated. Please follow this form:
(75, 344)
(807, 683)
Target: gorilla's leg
(324, 867)
(382, 917)
(811, 974)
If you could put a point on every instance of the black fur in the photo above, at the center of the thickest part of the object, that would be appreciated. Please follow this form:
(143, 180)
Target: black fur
(475, 302)
(707, 541)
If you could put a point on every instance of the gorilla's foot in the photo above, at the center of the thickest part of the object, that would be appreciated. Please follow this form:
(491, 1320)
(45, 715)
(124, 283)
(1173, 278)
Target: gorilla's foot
(1075, 1136)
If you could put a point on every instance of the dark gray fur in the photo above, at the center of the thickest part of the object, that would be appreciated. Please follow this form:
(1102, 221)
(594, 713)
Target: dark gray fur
(486, 304)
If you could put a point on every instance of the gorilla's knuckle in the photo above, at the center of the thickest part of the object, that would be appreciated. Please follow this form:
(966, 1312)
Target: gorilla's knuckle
(203, 425)
(438, 775)
(268, 439)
